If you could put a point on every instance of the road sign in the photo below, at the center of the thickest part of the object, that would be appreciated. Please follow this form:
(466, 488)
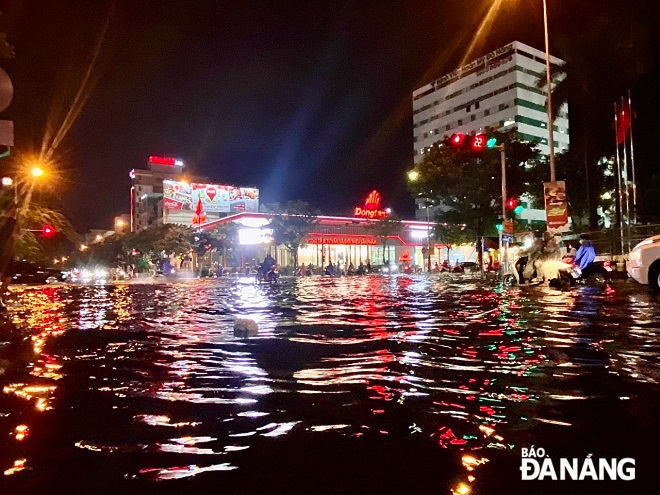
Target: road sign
(507, 227)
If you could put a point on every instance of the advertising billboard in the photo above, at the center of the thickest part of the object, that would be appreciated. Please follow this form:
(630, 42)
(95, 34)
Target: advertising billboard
(215, 198)
(556, 206)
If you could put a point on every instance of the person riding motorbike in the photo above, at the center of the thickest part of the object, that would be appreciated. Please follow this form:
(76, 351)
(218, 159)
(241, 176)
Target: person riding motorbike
(585, 256)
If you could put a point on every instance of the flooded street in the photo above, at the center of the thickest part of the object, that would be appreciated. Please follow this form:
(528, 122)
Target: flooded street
(353, 385)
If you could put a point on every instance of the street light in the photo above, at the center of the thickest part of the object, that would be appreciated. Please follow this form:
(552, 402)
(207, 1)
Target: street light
(37, 172)
(551, 135)
(413, 176)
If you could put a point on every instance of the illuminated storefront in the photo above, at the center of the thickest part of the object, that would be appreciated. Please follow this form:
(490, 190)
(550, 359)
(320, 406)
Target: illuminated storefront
(346, 240)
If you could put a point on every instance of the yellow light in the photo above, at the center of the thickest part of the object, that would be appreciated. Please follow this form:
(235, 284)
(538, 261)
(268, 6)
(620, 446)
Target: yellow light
(413, 175)
(99, 238)
(84, 247)
(461, 489)
(37, 172)
(120, 223)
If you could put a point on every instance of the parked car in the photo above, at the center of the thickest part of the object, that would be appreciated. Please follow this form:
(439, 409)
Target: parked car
(644, 262)
(26, 272)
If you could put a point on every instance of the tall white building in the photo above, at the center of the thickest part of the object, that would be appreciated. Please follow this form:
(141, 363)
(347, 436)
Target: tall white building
(496, 91)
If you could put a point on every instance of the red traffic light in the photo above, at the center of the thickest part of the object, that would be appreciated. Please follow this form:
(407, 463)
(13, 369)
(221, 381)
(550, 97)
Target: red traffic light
(48, 231)
(457, 139)
(479, 142)
(511, 203)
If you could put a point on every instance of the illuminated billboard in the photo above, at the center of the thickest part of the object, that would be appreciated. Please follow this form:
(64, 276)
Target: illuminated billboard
(214, 198)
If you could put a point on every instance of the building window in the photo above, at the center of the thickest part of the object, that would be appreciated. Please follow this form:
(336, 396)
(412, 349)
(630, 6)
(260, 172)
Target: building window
(436, 131)
(426, 134)
(414, 139)
(476, 105)
(460, 121)
(447, 127)
(503, 106)
(468, 108)
(487, 112)
(472, 118)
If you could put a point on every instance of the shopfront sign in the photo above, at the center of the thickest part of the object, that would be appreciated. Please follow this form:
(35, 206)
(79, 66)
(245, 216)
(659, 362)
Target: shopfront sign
(371, 208)
(343, 240)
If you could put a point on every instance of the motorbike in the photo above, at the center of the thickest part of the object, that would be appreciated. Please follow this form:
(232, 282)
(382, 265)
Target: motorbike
(567, 274)
(267, 274)
(596, 271)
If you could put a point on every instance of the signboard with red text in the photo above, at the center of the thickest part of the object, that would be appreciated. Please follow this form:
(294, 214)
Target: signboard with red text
(371, 208)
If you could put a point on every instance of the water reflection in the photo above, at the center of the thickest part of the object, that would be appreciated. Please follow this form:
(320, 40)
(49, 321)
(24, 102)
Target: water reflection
(471, 369)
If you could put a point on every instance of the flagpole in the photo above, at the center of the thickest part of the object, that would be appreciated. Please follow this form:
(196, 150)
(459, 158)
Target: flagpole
(632, 161)
(618, 174)
(626, 183)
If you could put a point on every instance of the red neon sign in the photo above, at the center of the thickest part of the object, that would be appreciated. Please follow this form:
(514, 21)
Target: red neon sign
(352, 241)
(371, 207)
(165, 160)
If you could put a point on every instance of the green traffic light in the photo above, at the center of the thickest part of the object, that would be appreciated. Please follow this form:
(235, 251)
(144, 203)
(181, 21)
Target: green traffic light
(500, 227)
(491, 142)
(518, 210)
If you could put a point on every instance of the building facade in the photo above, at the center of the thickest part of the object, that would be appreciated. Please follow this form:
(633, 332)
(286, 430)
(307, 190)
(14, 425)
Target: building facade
(496, 91)
(147, 190)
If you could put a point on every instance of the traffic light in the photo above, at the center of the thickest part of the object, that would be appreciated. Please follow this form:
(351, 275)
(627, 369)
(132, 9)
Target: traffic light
(48, 231)
(500, 227)
(457, 139)
(478, 142)
(512, 203)
(518, 209)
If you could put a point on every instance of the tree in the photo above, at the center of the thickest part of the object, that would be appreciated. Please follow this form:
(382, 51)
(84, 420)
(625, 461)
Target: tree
(594, 75)
(452, 234)
(467, 185)
(32, 217)
(291, 225)
(386, 228)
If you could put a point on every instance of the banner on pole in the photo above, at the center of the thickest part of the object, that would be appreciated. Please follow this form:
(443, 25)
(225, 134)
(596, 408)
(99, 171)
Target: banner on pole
(556, 206)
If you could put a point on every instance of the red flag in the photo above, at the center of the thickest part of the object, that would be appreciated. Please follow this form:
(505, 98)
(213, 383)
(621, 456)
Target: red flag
(198, 209)
(623, 122)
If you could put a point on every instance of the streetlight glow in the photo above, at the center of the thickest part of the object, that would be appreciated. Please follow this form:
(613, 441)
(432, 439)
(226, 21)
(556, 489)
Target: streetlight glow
(120, 223)
(413, 175)
(37, 172)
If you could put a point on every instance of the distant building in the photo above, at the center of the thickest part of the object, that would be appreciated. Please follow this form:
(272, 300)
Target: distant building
(496, 91)
(147, 190)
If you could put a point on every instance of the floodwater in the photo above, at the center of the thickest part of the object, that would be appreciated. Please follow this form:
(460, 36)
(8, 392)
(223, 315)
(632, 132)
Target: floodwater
(354, 385)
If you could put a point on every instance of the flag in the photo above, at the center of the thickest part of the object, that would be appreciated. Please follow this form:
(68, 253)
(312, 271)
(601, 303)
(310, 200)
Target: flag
(623, 113)
(198, 208)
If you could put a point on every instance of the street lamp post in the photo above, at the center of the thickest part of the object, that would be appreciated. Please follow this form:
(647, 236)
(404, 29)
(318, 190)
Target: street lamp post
(504, 260)
(428, 235)
(551, 135)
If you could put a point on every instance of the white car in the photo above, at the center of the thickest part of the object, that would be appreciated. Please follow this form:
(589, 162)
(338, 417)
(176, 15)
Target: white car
(644, 263)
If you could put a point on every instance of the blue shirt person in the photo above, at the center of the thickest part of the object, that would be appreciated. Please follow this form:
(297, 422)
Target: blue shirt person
(586, 254)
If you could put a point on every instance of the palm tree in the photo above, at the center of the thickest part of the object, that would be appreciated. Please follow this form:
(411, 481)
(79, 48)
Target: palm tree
(594, 75)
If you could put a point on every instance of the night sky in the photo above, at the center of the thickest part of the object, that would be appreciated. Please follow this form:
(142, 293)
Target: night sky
(305, 100)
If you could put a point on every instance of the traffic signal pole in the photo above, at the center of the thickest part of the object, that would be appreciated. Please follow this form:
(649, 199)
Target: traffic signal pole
(503, 261)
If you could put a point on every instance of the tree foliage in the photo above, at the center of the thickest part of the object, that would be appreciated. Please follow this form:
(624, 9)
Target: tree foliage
(386, 228)
(450, 235)
(291, 224)
(593, 76)
(467, 185)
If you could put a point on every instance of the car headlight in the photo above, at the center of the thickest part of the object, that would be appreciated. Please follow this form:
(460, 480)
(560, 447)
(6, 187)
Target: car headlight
(385, 270)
